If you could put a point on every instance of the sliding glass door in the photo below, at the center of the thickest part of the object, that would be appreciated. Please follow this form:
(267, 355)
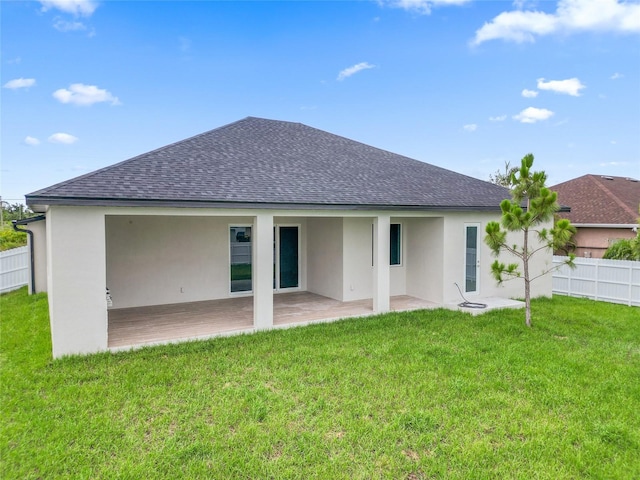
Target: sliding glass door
(287, 257)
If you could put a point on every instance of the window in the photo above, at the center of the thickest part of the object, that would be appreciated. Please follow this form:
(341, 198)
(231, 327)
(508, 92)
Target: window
(240, 258)
(395, 254)
(471, 262)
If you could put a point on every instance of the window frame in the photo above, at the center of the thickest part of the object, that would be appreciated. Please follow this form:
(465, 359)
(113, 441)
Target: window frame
(398, 242)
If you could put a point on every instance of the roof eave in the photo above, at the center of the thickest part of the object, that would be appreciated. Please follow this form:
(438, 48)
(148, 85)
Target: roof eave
(43, 202)
(606, 225)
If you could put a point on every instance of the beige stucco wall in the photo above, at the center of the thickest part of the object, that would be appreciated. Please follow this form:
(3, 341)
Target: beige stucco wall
(453, 253)
(593, 242)
(39, 230)
(155, 260)
(424, 258)
(324, 257)
(76, 279)
(357, 270)
(157, 256)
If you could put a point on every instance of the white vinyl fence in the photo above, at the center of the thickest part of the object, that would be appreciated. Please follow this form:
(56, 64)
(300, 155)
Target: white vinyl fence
(615, 281)
(240, 253)
(14, 269)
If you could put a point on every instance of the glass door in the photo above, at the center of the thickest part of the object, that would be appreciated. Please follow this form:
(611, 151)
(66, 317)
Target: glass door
(288, 257)
(472, 259)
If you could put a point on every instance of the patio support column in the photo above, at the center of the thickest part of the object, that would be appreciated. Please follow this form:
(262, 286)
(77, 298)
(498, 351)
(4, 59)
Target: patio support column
(381, 232)
(76, 279)
(263, 271)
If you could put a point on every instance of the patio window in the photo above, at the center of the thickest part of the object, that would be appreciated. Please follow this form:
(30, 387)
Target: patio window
(240, 256)
(395, 257)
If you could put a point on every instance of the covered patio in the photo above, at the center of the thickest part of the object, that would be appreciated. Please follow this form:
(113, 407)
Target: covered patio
(140, 326)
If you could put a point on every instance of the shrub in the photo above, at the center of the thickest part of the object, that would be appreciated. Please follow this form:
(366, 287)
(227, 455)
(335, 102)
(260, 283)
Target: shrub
(9, 238)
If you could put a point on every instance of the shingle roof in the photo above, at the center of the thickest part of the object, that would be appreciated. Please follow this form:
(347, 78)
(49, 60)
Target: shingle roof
(267, 162)
(598, 199)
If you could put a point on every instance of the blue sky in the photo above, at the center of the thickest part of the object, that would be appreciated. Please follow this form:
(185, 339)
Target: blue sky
(465, 85)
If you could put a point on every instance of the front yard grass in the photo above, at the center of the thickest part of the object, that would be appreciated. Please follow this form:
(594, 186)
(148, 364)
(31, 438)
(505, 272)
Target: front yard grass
(427, 394)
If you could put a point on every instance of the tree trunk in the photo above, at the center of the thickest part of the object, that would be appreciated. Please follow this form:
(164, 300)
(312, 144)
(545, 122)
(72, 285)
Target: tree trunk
(527, 282)
(527, 303)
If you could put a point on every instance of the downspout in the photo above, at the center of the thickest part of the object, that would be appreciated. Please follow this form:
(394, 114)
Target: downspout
(32, 265)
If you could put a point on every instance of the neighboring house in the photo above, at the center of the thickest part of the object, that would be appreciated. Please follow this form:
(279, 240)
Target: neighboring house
(212, 234)
(604, 209)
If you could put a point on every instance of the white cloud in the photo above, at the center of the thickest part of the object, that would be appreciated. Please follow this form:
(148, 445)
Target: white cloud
(616, 76)
(472, 127)
(84, 95)
(420, 6)
(79, 8)
(20, 83)
(570, 86)
(529, 93)
(31, 141)
(64, 138)
(533, 115)
(571, 16)
(64, 26)
(613, 164)
(347, 72)
(499, 118)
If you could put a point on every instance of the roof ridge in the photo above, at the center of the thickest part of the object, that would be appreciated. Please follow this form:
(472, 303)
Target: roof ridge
(612, 195)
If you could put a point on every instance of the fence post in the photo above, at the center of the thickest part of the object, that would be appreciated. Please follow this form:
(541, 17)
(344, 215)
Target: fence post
(630, 284)
(597, 281)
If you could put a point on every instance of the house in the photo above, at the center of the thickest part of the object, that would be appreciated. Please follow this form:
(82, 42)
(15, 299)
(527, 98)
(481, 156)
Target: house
(256, 225)
(604, 209)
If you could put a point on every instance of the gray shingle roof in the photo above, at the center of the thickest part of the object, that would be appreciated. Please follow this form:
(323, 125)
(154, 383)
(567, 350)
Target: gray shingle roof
(256, 162)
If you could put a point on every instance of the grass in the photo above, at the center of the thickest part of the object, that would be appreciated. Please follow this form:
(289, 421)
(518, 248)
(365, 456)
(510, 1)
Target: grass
(432, 394)
(241, 271)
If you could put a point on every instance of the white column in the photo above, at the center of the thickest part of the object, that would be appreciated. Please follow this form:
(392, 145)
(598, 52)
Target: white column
(263, 271)
(381, 233)
(76, 279)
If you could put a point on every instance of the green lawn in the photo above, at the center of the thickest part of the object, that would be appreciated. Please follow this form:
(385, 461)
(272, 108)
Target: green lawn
(433, 394)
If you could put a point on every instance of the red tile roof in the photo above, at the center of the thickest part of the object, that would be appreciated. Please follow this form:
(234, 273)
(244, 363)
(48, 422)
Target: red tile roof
(596, 199)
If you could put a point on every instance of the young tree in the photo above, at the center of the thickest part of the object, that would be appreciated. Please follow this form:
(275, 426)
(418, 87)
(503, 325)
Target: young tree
(541, 203)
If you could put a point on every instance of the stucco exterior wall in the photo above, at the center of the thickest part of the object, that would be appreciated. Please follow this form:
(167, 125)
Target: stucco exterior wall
(398, 273)
(39, 230)
(76, 278)
(593, 242)
(425, 259)
(156, 260)
(357, 267)
(454, 255)
(159, 256)
(324, 257)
